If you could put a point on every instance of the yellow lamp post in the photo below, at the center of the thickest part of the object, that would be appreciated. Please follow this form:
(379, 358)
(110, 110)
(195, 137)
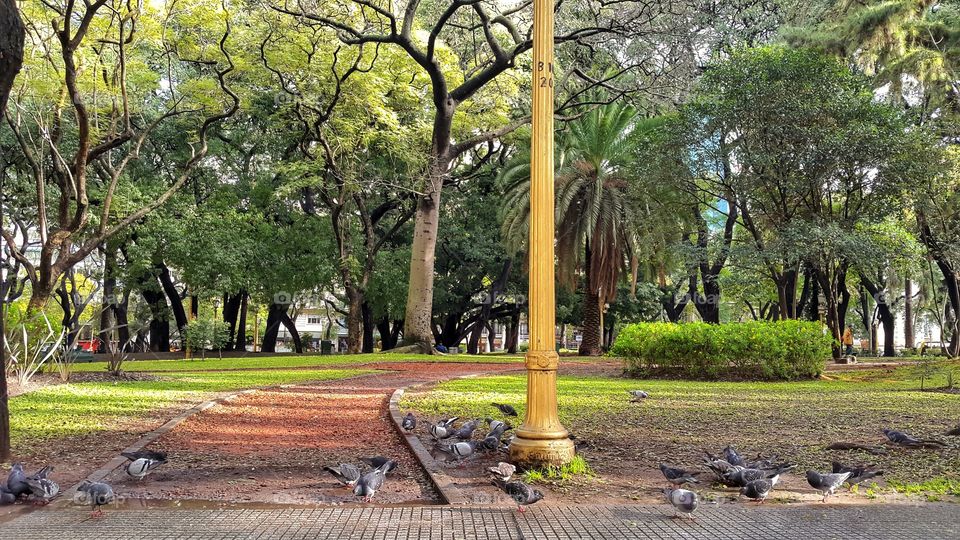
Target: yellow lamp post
(542, 440)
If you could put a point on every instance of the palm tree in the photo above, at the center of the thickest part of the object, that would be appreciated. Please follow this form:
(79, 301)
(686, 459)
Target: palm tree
(597, 221)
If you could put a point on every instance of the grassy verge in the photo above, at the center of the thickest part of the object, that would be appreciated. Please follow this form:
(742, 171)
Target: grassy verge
(278, 362)
(81, 408)
(796, 420)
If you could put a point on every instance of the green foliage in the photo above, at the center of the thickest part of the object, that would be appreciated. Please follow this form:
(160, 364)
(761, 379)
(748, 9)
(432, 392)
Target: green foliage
(783, 350)
(206, 333)
(578, 468)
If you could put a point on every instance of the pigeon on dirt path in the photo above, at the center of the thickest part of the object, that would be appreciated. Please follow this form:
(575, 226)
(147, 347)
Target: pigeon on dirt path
(443, 428)
(730, 454)
(521, 493)
(759, 490)
(95, 494)
(145, 454)
(740, 477)
(139, 468)
(409, 422)
(377, 462)
(465, 432)
(461, 449)
(345, 473)
(6, 496)
(42, 487)
(505, 409)
(369, 483)
(497, 428)
(826, 483)
(679, 476)
(682, 500)
(503, 471)
(17, 481)
(858, 474)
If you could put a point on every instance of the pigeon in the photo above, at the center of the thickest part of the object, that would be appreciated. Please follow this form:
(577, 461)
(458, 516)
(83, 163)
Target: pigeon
(145, 454)
(521, 493)
(955, 432)
(503, 471)
(682, 500)
(17, 481)
(579, 445)
(637, 395)
(409, 422)
(6, 496)
(900, 437)
(465, 432)
(679, 476)
(41, 486)
(139, 468)
(443, 428)
(459, 450)
(740, 477)
(377, 462)
(346, 473)
(730, 454)
(759, 490)
(369, 483)
(826, 483)
(857, 474)
(505, 409)
(497, 428)
(490, 443)
(96, 494)
(720, 467)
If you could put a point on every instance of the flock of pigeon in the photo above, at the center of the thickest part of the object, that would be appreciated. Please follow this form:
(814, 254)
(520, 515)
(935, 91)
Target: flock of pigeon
(757, 478)
(42, 489)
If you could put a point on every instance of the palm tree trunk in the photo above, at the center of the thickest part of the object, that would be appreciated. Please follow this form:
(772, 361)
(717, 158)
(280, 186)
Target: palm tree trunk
(590, 345)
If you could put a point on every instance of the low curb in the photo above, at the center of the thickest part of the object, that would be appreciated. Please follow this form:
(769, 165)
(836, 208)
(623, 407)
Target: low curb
(444, 484)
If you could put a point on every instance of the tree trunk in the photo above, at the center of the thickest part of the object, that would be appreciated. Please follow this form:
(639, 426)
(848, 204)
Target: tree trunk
(389, 336)
(109, 300)
(354, 319)
(173, 295)
(832, 316)
(367, 315)
(123, 325)
(11, 60)
(231, 310)
(592, 318)
(513, 332)
(909, 337)
(294, 333)
(241, 343)
(274, 319)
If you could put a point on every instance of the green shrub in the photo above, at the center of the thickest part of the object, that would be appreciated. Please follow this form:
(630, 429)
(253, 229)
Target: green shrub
(782, 350)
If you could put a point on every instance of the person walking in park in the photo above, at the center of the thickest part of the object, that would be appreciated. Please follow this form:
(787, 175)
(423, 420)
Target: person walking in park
(848, 340)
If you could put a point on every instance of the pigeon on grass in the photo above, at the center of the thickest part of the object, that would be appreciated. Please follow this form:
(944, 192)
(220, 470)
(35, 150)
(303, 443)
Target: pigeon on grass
(94, 494)
(826, 483)
(505, 409)
(679, 476)
(683, 501)
(409, 422)
(637, 396)
(521, 493)
(345, 473)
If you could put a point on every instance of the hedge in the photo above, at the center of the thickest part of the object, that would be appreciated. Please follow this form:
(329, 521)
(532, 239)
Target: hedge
(783, 350)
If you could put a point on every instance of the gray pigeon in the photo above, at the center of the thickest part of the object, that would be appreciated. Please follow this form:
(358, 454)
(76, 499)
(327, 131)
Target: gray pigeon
(42, 487)
(503, 471)
(720, 468)
(858, 474)
(369, 483)
(17, 481)
(682, 500)
(955, 432)
(139, 468)
(376, 462)
(679, 476)
(505, 409)
(443, 428)
(497, 428)
(95, 494)
(759, 490)
(730, 454)
(409, 422)
(465, 432)
(461, 449)
(6, 496)
(521, 493)
(740, 477)
(145, 454)
(826, 483)
(637, 395)
(346, 473)
(900, 437)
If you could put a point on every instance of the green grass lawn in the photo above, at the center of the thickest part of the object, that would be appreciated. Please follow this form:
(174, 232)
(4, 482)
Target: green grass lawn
(273, 362)
(681, 418)
(88, 407)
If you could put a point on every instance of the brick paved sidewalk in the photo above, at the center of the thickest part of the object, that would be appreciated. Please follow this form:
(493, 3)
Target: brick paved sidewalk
(807, 522)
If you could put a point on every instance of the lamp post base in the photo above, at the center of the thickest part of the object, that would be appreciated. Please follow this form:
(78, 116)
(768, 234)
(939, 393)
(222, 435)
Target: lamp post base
(529, 453)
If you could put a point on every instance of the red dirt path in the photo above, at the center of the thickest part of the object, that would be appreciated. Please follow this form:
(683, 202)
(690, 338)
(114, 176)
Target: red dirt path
(271, 446)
